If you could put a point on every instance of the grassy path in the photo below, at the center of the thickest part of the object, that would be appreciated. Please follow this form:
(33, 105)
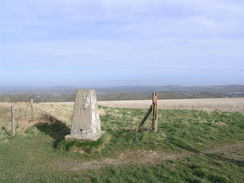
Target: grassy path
(148, 158)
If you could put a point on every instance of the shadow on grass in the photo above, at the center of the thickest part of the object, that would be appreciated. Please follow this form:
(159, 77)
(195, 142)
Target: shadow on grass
(54, 128)
(4, 130)
(239, 163)
(195, 151)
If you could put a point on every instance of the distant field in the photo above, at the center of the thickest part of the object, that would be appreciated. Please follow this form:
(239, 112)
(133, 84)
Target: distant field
(216, 104)
(64, 110)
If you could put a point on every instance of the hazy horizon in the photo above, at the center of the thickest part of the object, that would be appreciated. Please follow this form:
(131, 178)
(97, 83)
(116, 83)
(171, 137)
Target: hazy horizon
(121, 43)
(108, 87)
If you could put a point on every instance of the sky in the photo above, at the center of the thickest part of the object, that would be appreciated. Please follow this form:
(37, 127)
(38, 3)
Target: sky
(121, 42)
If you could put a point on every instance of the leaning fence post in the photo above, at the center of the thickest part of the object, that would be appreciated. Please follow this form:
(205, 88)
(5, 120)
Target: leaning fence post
(155, 112)
(145, 118)
(13, 122)
(154, 109)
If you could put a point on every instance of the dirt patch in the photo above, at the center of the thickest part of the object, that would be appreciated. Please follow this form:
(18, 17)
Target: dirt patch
(140, 157)
(102, 112)
(221, 124)
(135, 157)
(226, 148)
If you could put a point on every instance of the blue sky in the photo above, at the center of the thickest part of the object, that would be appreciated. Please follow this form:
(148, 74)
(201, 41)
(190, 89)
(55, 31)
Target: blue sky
(122, 42)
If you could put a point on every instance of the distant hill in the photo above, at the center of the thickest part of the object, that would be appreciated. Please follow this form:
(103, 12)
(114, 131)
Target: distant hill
(66, 93)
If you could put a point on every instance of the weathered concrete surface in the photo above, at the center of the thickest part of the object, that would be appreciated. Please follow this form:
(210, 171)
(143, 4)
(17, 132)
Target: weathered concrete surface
(86, 121)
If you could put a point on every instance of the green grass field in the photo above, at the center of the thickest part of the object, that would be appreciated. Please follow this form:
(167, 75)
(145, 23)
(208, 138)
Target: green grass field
(34, 155)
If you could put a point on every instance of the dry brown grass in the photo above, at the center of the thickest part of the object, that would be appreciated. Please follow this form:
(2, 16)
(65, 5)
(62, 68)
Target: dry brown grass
(23, 116)
(62, 111)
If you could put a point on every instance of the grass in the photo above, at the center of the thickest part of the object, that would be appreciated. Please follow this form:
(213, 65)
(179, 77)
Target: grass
(33, 157)
(4, 115)
(84, 146)
(193, 169)
(178, 129)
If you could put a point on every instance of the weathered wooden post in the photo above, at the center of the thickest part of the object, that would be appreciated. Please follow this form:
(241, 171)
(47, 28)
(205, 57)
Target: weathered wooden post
(32, 110)
(13, 122)
(155, 112)
(145, 118)
(154, 109)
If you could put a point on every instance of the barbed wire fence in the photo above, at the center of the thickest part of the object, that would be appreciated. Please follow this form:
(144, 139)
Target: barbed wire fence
(19, 117)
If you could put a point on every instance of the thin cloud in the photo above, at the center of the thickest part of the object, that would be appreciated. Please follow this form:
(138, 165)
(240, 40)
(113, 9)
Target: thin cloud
(113, 37)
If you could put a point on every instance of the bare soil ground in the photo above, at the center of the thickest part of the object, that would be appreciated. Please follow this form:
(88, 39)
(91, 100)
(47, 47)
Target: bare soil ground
(147, 157)
(216, 104)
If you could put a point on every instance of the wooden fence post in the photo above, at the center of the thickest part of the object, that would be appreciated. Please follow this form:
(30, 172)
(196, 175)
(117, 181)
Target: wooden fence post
(155, 112)
(154, 109)
(145, 118)
(13, 122)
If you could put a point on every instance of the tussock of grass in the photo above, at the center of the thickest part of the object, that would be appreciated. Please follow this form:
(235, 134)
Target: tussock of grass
(4, 135)
(32, 130)
(84, 146)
